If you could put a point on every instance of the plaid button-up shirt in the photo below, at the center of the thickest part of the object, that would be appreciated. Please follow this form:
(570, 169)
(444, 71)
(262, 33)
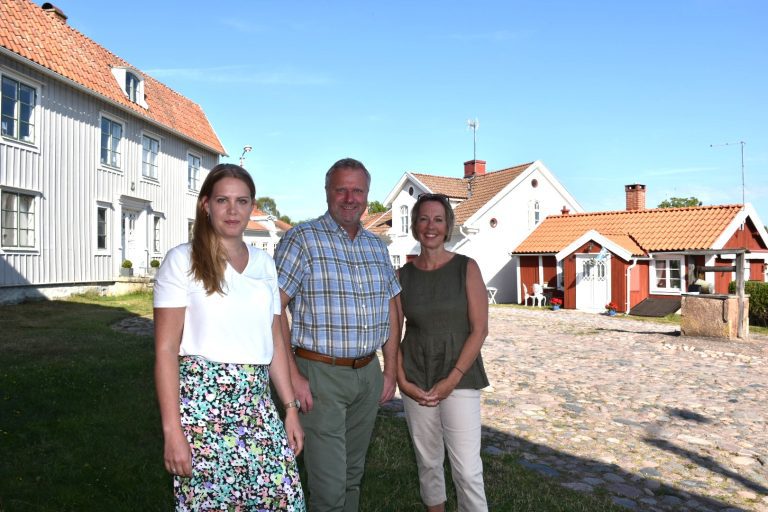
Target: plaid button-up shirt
(340, 288)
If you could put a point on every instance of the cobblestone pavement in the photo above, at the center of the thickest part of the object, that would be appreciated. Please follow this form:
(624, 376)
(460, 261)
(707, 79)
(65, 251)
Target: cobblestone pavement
(659, 421)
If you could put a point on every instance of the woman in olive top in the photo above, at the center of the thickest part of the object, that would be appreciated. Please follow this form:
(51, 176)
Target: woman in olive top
(440, 374)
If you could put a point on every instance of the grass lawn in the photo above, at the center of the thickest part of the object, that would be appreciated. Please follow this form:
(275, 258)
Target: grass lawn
(80, 430)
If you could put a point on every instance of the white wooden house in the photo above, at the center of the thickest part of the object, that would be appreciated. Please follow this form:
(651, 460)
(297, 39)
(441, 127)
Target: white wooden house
(494, 211)
(99, 162)
(264, 231)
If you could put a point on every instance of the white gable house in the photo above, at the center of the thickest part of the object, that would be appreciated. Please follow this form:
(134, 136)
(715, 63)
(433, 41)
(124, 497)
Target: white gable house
(494, 211)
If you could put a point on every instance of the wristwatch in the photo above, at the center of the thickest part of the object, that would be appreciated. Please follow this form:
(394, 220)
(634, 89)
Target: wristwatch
(294, 403)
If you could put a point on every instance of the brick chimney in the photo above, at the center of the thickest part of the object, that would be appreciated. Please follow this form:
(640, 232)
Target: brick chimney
(565, 211)
(55, 12)
(474, 168)
(635, 197)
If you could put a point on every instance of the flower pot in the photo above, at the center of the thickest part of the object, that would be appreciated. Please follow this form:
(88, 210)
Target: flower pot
(555, 307)
(126, 272)
(611, 312)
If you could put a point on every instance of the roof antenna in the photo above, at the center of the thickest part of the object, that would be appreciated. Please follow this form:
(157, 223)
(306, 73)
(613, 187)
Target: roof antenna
(474, 124)
(741, 143)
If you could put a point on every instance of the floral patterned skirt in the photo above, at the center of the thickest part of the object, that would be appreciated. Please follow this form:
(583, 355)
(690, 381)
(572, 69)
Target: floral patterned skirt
(241, 460)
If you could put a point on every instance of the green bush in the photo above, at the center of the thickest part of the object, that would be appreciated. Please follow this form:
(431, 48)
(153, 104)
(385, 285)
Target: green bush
(154, 263)
(127, 264)
(758, 301)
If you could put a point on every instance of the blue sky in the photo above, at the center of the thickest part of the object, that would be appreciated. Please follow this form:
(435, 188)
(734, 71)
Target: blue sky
(604, 93)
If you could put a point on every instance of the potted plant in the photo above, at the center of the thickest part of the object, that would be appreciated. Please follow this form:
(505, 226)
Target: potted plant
(126, 269)
(154, 264)
(556, 303)
(611, 308)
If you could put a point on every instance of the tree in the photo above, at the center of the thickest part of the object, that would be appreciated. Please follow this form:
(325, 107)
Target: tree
(268, 206)
(286, 219)
(376, 207)
(679, 202)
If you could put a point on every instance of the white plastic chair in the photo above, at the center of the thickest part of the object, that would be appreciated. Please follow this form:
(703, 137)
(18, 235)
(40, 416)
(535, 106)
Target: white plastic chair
(538, 295)
(492, 294)
(526, 295)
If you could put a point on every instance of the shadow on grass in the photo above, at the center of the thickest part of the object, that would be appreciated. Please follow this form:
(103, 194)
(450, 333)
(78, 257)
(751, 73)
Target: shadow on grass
(79, 426)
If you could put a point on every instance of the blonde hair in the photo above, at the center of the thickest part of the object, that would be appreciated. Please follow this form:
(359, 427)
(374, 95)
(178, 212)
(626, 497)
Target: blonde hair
(209, 257)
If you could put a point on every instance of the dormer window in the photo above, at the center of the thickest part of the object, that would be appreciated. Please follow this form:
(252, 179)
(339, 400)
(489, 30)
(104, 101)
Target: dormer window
(132, 84)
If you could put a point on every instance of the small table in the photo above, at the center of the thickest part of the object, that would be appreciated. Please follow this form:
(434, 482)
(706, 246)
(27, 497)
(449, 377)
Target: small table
(492, 294)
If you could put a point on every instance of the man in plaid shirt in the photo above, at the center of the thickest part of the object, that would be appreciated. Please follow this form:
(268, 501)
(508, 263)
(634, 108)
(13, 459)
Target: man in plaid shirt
(337, 279)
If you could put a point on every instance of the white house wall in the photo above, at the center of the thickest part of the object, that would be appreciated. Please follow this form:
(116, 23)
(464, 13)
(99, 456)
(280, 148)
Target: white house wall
(63, 168)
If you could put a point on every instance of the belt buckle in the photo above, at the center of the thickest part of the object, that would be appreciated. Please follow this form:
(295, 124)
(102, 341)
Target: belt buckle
(360, 362)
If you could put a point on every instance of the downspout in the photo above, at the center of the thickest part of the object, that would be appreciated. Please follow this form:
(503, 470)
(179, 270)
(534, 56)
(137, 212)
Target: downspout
(629, 272)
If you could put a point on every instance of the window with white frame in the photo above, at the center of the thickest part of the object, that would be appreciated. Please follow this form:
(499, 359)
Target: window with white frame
(190, 229)
(149, 150)
(667, 274)
(396, 261)
(536, 213)
(193, 171)
(17, 219)
(404, 220)
(17, 111)
(156, 233)
(111, 142)
(102, 224)
(132, 86)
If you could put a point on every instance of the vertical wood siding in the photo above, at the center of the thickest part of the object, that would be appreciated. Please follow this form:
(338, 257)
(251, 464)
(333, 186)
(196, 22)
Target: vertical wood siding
(64, 169)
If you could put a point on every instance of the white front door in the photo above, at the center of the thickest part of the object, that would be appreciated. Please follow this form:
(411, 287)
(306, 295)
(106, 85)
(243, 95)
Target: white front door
(593, 282)
(129, 237)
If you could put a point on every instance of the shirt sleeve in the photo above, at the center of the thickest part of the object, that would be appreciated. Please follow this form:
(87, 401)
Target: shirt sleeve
(172, 279)
(290, 262)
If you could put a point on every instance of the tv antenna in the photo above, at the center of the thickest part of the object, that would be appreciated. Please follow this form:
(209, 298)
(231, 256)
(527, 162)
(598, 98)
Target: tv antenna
(740, 143)
(473, 125)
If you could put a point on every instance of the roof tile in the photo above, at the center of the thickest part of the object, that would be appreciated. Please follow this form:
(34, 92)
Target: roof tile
(30, 32)
(639, 231)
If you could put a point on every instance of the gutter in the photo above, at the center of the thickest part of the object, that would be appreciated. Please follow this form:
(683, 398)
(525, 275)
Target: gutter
(629, 272)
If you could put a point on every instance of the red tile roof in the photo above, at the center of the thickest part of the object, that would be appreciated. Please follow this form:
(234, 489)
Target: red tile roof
(41, 37)
(377, 223)
(638, 231)
(484, 188)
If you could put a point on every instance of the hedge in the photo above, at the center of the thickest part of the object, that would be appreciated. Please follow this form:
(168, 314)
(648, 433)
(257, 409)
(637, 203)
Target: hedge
(758, 301)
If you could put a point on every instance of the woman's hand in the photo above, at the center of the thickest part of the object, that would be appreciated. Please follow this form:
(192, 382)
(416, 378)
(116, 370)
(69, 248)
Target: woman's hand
(442, 389)
(293, 430)
(177, 454)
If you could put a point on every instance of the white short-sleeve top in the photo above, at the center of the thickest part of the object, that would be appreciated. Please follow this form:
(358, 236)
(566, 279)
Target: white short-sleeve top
(231, 328)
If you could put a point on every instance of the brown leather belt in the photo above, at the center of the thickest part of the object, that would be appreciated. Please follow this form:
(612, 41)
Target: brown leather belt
(359, 362)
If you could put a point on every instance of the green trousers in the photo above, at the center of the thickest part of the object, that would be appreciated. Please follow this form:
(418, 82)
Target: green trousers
(338, 431)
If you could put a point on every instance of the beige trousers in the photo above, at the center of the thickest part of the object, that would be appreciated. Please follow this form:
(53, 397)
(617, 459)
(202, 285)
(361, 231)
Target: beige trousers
(452, 426)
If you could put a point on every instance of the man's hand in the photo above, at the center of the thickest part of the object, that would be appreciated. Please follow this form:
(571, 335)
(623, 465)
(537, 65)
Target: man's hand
(303, 393)
(388, 391)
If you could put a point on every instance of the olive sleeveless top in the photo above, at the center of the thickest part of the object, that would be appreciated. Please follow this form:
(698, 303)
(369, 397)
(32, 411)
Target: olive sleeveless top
(437, 324)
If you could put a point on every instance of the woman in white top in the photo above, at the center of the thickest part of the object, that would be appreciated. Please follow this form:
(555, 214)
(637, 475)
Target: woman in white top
(218, 343)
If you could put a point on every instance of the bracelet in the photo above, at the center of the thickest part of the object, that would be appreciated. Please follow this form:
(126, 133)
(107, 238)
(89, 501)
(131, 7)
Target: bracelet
(460, 371)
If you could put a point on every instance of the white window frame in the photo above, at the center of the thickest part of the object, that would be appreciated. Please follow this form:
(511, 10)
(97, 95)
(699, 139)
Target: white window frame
(405, 224)
(107, 207)
(193, 182)
(396, 261)
(156, 234)
(150, 169)
(135, 95)
(34, 116)
(536, 213)
(16, 219)
(653, 279)
(111, 149)
(190, 229)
